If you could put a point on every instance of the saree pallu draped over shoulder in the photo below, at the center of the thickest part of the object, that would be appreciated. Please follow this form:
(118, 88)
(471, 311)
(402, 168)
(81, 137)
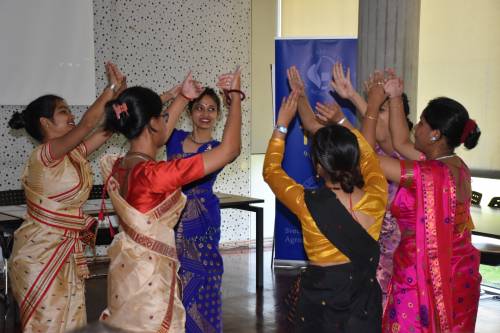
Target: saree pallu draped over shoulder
(47, 266)
(435, 286)
(343, 298)
(143, 288)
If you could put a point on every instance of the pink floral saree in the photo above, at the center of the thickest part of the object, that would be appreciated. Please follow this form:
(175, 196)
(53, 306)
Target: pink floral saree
(435, 284)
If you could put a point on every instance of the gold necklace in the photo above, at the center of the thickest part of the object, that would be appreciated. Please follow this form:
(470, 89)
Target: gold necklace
(446, 156)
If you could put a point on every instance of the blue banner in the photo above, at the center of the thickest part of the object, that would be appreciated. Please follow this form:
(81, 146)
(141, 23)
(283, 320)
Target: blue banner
(314, 59)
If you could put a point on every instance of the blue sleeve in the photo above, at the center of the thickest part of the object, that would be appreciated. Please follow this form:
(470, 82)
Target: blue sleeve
(174, 143)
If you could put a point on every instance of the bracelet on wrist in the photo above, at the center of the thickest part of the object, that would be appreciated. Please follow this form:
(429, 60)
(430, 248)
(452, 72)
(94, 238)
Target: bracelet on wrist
(282, 129)
(228, 96)
(184, 96)
(371, 117)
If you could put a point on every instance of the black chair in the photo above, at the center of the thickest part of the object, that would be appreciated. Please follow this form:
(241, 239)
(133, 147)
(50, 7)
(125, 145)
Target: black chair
(490, 256)
(490, 252)
(476, 198)
(12, 197)
(96, 192)
(7, 228)
(494, 202)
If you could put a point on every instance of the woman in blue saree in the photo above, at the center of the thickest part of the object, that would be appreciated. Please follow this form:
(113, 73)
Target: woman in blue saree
(198, 230)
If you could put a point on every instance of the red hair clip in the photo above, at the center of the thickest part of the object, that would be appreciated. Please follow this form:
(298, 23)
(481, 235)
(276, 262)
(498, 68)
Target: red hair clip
(119, 109)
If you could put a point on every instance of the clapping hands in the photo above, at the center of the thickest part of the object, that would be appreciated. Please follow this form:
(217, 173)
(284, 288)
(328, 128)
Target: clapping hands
(394, 85)
(230, 83)
(190, 88)
(117, 81)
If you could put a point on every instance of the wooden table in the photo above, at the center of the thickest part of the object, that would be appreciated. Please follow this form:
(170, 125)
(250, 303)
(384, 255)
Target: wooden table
(246, 203)
(12, 216)
(486, 221)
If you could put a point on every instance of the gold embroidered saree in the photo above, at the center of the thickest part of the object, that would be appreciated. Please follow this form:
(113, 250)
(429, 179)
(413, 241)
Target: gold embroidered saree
(143, 288)
(47, 267)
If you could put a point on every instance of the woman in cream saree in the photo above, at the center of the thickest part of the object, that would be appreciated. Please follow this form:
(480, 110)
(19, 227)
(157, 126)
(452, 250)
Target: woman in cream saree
(47, 267)
(143, 257)
(143, 288)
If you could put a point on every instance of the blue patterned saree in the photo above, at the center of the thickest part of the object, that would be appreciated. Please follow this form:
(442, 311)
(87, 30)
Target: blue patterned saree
(197, 242)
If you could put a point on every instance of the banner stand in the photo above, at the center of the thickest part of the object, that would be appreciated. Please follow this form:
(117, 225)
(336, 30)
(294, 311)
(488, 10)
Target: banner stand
(314, 59)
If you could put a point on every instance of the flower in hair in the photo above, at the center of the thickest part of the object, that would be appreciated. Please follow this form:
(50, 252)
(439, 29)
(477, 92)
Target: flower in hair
(469, 127)
(119, 109)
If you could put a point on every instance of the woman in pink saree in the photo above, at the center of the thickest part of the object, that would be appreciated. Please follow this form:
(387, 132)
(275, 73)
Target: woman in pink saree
(435, 282)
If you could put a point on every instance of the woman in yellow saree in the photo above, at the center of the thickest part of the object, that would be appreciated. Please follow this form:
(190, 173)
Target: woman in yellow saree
(47, 267)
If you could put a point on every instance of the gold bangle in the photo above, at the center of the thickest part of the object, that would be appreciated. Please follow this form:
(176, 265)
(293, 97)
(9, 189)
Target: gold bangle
(371, 117)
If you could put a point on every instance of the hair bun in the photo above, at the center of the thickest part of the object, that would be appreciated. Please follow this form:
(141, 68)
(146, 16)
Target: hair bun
(472, 138)
(349, 180)
(131, 111)
(115, 117)
(17, 121)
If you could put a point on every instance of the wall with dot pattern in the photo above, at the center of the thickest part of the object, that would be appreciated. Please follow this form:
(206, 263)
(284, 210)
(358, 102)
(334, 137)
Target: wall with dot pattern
(155, 43)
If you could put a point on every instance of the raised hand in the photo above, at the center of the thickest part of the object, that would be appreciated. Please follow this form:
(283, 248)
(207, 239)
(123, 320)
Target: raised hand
(295, 81)
(394, 87)
(170, 94)
(375, 89)
(328, 114)
(230, 84)
(342, 83)
(191, 88)
(115, 78)
(390, 73)
(230, 81)
(288, 109)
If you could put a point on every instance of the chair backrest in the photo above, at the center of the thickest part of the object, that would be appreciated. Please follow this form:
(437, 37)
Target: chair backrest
(494, 202)
(96, 192)
(16, 197)
(12, 197)
(476, 198)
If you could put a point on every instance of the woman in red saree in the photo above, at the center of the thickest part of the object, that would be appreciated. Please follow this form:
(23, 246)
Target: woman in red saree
(435, 283)
(47, 267)
(144, 294)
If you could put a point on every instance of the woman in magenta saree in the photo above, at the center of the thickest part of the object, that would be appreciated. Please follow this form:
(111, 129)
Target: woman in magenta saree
(435, 281)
